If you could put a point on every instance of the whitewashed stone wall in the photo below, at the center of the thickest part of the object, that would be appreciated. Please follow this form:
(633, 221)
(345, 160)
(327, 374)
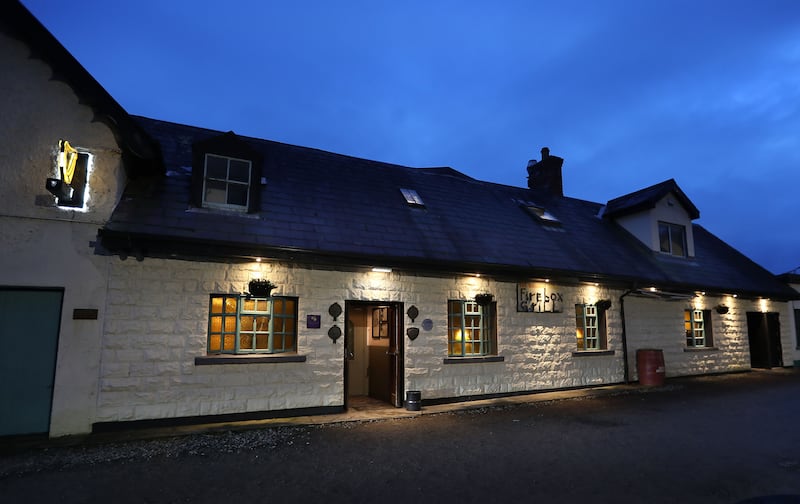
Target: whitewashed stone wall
(658, 324)
(47, 246)
(157, 323)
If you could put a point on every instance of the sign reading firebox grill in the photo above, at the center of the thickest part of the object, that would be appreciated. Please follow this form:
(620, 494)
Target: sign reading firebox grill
(539, 298)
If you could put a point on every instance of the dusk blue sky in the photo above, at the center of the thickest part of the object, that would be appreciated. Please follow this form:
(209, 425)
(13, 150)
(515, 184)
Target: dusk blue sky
(629, 93)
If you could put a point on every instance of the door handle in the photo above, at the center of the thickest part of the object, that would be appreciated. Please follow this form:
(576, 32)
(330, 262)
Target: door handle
(391, 353)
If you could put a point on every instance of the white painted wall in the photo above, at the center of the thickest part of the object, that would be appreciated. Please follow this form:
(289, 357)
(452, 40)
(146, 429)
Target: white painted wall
(157, 321)
(44, 246)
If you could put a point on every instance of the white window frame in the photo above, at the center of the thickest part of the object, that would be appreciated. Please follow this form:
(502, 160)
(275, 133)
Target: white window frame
(697, 327)
(463, 326)
(228, 183)
(671, 230)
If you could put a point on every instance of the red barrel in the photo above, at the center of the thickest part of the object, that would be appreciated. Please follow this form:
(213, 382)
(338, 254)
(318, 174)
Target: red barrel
(650, 366)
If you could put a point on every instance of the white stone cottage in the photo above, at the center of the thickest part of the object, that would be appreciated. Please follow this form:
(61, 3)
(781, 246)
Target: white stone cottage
(384, 279)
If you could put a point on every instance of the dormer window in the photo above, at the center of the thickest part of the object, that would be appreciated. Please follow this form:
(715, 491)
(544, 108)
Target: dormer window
(226, 174)
(672, 239)
(226, 183)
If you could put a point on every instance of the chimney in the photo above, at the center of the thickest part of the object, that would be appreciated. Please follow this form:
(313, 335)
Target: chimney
(546, 174)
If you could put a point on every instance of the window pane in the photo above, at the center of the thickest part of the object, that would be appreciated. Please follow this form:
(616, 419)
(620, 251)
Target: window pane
(239, 171)
(237, 194)
(246, 341)
(663, 237)
(678, 247)
(229, 342)
(246, 323)
(216, 167)
(288, 341)
(262, 324)
(278, 306)
(213, 343)
(216, 324)
(230, 324)
(290, 306)
(230, 305)
(216, 304)
(262, 340)
(288, 325)
(249, 305)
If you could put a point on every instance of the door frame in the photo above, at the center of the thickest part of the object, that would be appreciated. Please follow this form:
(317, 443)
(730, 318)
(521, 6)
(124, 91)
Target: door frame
(396, 350)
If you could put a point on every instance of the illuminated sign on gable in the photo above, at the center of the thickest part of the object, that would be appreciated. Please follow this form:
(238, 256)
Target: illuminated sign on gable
(539, 298)
(73, 167)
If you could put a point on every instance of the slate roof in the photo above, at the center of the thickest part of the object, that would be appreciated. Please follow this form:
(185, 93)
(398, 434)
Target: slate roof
(331, 209)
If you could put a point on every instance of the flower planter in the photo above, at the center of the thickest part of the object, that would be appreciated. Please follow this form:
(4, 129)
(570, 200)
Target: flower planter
(261, 288)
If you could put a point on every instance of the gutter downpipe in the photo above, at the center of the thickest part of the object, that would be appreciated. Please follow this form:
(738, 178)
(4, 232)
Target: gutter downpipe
(626, 367)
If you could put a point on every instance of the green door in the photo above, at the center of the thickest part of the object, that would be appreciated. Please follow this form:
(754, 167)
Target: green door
(29, 326)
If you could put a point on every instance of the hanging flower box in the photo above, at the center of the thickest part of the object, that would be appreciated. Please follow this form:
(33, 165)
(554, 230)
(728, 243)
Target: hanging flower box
(484, 299)
(260, 287)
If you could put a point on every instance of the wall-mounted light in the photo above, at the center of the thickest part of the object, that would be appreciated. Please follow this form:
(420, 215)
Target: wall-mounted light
(721, 309)
(380, 269)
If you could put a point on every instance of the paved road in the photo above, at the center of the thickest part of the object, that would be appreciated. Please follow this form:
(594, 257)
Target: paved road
(708, 440)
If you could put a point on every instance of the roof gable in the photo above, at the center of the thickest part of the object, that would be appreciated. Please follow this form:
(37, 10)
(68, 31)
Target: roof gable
(647, 198)
(139, 149)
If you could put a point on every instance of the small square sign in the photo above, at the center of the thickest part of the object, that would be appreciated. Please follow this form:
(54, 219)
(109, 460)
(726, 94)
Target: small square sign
(313, 321)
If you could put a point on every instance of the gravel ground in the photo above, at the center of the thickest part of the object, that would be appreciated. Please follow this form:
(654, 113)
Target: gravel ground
(68, 457)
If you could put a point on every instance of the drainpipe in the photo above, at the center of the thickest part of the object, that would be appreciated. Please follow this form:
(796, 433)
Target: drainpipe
(626, 370)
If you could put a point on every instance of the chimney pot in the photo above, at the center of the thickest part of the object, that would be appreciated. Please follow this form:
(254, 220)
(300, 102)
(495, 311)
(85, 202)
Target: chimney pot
(545, 153)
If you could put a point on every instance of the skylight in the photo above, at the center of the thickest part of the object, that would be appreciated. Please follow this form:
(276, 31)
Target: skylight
(412, 198)
(539, 212)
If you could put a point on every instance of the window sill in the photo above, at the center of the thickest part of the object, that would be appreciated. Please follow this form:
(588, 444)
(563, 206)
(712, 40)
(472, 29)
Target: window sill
(473, 360)
(701, 349)
(209, 360)
(591, 353)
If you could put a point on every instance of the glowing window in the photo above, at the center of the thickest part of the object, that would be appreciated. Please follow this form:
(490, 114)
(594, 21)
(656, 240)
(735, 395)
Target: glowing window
(590, 327)
(698, 328)
(471, 329)
(239, 324)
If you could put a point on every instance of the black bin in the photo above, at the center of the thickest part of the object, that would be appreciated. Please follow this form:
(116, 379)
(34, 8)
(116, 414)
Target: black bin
(413, 400)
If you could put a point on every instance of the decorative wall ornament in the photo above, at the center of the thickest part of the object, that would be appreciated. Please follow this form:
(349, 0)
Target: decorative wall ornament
(412, 313)
(334, 333)
(427, 324)
(335, 310)
(721, 309)
(412, 333)
(484, 298)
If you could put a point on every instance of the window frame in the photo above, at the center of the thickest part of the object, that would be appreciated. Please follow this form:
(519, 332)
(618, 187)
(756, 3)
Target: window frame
(693, 326)
(482, 318)
(228, 183)
(671, 230)
(590, 316)
(274, 331)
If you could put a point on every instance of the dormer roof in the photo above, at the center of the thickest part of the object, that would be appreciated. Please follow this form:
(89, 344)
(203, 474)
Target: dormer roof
(647, 198)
